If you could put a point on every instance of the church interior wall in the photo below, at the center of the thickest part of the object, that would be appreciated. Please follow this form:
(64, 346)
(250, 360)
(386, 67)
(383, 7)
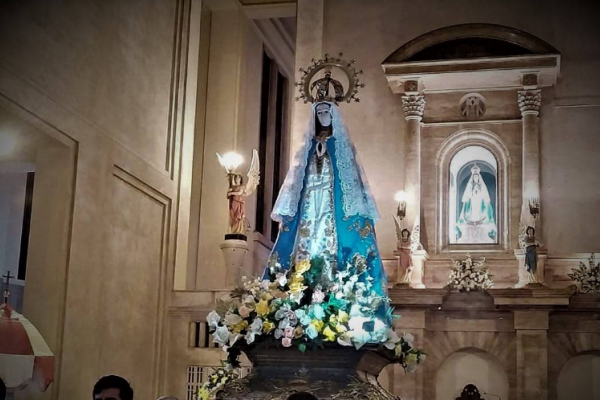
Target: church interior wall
(110, 82)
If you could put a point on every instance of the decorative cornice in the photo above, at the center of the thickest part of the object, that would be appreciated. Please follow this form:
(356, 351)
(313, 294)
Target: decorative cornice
(413, 106)
(530, 101)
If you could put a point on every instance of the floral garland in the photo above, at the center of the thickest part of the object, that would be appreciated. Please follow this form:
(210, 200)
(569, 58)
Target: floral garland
(468, 275)
(306, 308)
(588, 277)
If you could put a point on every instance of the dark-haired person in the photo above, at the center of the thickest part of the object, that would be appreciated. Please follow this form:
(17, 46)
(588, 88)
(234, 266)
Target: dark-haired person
(112, 387)
(2, 390)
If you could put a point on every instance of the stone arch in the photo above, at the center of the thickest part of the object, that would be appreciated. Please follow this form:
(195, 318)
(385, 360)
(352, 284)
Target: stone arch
(577, 374)
(471, 365)
(468, 41)
(452, 145)
(563, 347)
(500, 345)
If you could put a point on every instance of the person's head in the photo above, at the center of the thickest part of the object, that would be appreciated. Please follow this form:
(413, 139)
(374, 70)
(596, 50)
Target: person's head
(323, 113)
(476, 178)
(2, 390)
(405, 234)
(112, 387)
(530, 231)
(237, 179)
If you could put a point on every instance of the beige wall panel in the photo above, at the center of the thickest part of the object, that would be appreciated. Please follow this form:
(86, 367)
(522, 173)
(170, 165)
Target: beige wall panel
(110, 61)
(132, 281)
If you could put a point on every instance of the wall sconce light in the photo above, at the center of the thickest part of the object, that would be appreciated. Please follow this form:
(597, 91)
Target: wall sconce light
(534, 208)
(401, 198)
(230, 161)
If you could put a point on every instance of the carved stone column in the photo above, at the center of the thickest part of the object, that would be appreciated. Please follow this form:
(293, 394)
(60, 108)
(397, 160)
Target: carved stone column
(530, 99)
(413, 104)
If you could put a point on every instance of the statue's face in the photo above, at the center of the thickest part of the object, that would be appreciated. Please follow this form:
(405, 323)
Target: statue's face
(476, 178)
(324, 114)
(404, 235)
(530, 232)
(237, 179)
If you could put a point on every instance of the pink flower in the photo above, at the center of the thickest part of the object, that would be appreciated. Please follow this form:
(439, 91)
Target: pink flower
(286, 341)
(318, 297)
(288, 332)
(244, 311)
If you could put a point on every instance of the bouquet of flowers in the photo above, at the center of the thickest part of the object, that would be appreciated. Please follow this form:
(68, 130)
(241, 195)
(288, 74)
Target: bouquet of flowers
(220, 376)
(588, 277)
(468, 275)
(305, 307)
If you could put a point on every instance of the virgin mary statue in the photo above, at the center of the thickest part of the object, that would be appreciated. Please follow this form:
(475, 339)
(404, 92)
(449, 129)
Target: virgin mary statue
(476, 223)
(325, 208)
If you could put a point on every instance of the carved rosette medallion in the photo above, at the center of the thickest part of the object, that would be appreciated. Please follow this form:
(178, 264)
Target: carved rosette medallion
(530, 101)
(413, 106)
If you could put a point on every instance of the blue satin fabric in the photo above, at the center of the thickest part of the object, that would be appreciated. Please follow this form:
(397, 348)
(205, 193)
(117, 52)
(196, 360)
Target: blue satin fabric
(355, 234)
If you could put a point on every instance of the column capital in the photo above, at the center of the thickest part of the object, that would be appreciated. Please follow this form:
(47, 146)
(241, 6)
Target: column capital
(530, 101)
(413, 106)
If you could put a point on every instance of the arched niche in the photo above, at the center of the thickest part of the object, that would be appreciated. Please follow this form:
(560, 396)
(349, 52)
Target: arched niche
(470, 41)
(458, 155)
(471, 57)
(471, 366)
(580, 378)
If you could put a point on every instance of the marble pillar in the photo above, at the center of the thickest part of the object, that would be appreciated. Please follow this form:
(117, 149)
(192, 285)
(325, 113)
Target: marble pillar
(413, 105)
(532, 354)
(530, 99)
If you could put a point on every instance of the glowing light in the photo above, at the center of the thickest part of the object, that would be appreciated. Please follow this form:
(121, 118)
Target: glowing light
(230, 161)
(401, 196)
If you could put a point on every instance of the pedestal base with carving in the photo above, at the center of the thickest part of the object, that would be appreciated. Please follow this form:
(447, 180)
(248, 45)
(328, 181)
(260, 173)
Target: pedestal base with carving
(333, 372)
(526, 279)
(234, 253)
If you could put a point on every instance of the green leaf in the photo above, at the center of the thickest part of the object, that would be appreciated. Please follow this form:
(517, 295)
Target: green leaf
(302, 347)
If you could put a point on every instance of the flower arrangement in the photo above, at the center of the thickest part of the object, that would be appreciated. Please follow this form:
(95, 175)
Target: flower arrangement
(468, 275)
(307, 307)
(588, 277)
(220, 376)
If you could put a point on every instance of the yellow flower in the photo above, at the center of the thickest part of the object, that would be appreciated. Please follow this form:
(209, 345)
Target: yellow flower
(262, 308)
(317, 324)
(268, 326)
(411, 358)
(343, 316)
(333, 320)
(298, 332)
(329, 334)
(297, 278)
(297, 287)
(302, 266)
(266, 296)
(341, 328)
(240, 326)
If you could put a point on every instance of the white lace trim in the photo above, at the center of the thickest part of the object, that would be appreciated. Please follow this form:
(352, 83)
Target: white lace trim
(356, 194)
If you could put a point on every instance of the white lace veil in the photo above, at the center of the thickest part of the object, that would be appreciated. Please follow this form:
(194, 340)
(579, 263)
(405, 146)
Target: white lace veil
(356, 194)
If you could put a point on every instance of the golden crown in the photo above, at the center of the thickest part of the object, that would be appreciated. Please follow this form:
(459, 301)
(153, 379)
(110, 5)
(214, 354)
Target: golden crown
(320, 89)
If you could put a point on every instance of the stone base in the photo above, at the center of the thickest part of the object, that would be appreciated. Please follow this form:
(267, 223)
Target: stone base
(335, 372)
(402, 285)
(530, 285)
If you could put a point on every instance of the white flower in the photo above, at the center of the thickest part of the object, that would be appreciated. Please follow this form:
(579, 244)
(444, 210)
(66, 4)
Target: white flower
(422, 357)
(232, 319)
(213, 319)
(235, 338)
(256, 326)
(345, 339)
(250, 336)
(278, 333)
(408, 338)
(392, 339)
(281, 279)
(264, 285)
(221, 336)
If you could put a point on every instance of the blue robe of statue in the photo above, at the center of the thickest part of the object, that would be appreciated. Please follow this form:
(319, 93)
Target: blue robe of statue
(325, 209)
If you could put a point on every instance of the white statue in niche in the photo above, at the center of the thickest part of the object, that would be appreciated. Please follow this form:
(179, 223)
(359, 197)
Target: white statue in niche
(476, 222)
